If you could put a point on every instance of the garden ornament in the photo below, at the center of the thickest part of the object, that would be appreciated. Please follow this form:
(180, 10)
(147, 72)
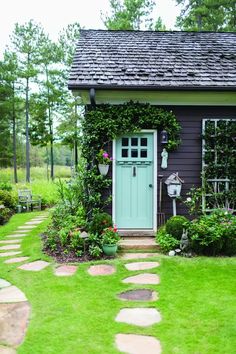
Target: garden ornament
(185, 244)
(164, 156)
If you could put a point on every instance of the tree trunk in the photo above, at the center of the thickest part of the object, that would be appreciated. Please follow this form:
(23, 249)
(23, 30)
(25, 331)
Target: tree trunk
(47, 162)
(14, 134)
(50, 130)
(76, 142)
(27, 131)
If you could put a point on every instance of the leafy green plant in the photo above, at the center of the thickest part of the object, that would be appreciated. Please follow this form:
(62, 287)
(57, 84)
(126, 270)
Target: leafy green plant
(166, 241)
(5, 214)
(214, 233)
(95, 251)
(175, 225)
(110, 236)
(99, 223)
(8, 199)
(5, 186)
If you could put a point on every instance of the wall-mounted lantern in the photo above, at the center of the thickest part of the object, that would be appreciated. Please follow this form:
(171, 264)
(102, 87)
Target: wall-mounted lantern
(164, 137)
(174, 186)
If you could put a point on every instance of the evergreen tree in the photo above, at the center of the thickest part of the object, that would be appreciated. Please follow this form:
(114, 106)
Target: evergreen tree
(207, 15)
(129, 15)
(26, 41)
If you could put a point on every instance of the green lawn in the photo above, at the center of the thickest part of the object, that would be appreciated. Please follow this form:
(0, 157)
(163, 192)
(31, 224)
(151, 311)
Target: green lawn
(75, 315)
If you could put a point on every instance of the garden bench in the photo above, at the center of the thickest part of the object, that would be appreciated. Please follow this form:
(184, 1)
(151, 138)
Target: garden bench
(28, 200)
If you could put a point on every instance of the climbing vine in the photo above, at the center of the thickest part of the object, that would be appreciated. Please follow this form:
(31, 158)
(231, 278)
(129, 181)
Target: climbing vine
(219, 164)
(104, 123)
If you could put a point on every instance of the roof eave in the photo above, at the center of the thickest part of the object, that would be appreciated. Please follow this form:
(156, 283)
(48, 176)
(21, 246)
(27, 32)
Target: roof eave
(151, 88)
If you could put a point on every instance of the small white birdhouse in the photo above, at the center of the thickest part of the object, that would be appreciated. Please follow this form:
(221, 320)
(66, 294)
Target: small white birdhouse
(174, 185)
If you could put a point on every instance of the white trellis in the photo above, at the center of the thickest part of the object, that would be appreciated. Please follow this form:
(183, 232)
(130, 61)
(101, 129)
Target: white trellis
(215, 184)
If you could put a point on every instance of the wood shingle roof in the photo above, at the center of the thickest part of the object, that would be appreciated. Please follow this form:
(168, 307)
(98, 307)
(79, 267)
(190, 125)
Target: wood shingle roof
(152, 60)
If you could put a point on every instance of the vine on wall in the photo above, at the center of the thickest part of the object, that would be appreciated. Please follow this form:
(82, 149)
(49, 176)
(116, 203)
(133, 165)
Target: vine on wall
(219, 164)
(107, 122)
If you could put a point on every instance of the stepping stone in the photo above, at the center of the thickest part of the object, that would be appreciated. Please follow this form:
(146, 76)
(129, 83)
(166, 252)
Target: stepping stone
(137, 255)
(101, 269)
(65, 270)
(33, 222)
(9, 254)
(145, 278)
(26, 227)
(21, 231)
(17, 235)
(11, 294)
(142, 317)
(16, 260)
(7, 242)
(9, 247)
(13, 322)
(34, 266)
(3, 284)
(137, 344)
(6, 350)
(139, 295)
(141, 265)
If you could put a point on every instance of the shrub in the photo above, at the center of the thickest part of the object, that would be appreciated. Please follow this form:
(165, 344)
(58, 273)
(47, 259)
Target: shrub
(166, 241)
(175, 225)
(99, 223)
(5, 186)
(5, 214)
(8, 200)
(214, 233)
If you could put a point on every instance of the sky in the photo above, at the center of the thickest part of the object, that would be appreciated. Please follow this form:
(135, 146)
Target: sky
(54, 15)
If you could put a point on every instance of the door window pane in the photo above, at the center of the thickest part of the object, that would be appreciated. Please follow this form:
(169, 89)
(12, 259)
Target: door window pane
(143, 141)
(125, 141)
(124, 152)
(134, 141)
(143, 153)
(134, 153)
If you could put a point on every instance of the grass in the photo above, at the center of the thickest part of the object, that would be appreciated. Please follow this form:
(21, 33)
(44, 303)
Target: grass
(36, 173)
(77, 314)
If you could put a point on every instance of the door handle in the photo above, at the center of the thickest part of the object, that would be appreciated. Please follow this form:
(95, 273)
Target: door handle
(134, 171)
(150, 185)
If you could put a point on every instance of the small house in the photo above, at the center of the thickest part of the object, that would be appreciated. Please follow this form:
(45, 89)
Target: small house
(191, 75)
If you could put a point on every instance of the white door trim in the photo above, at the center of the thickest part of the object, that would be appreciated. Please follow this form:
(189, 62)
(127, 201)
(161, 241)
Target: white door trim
(154, 177)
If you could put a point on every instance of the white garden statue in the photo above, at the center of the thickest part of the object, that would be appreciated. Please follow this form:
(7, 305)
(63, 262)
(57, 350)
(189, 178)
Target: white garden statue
(164, 156)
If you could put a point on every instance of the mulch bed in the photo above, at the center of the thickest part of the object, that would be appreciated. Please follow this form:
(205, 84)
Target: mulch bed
(61, 257)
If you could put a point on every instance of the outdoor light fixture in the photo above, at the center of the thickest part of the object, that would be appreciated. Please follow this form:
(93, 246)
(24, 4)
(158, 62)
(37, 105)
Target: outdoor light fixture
(164, 137)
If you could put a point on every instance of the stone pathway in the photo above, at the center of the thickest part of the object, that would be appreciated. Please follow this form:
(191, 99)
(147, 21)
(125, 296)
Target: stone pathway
(139, 316)
(13, 241)
(14, 317)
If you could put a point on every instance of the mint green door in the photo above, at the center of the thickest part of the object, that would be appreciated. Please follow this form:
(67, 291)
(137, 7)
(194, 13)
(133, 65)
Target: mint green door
(134, 181)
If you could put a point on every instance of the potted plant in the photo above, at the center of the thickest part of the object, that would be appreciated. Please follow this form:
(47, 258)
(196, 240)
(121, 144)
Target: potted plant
(110, 239)
(103, 162)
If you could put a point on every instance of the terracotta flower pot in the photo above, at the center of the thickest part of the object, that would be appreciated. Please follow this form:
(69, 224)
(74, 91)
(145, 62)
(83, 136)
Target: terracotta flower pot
(103, 169)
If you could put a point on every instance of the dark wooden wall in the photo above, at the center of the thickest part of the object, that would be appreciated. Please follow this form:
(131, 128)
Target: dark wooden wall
(187, 160)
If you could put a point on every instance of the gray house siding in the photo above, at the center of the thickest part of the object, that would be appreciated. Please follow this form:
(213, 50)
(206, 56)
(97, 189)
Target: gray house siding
(187, 160)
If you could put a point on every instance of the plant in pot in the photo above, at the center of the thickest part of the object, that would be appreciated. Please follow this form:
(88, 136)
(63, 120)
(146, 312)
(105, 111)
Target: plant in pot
(110, 239)
(103, 162)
